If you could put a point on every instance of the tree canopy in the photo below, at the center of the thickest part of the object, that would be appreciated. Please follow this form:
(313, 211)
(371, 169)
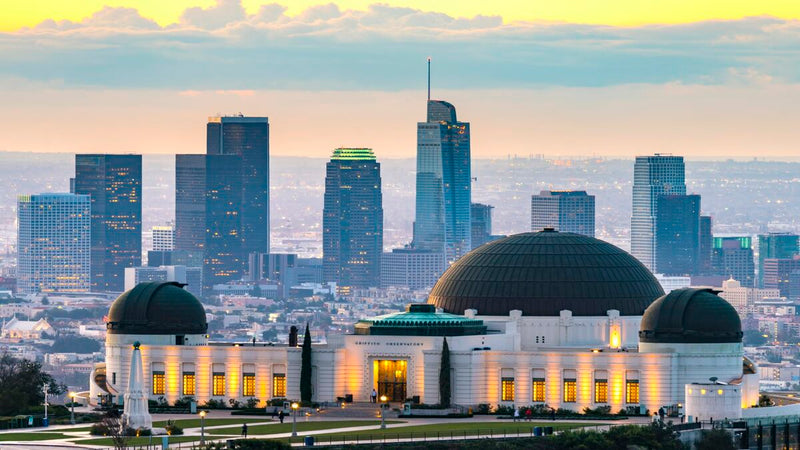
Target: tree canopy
(21, 383)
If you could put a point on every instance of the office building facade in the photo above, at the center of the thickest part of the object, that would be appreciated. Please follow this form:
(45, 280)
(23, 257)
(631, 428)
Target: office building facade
(783, 274)
(163, 238)
(733, 257)
(444, 184)
(777, 246)
(653, 176)
(570, 211)
(706, 244)
(481, 218)
(677, 234)
(53, 243)
(190, 205)
(352, 222)
(114, 186)
(411, 268)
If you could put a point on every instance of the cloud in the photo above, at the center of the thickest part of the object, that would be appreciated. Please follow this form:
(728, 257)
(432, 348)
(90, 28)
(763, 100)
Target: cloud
(384, 48)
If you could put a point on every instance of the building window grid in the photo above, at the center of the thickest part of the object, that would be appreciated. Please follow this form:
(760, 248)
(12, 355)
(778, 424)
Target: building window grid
(570, 390)
(218, 384)
(632, 391)
(538, 390)
(601, 391)
(159, 382)
(249, 384)
(188, 383)
(279, 385)
(507, 389)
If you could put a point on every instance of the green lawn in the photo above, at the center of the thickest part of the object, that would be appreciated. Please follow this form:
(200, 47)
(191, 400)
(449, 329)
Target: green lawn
(195, 423)
(286, 427)
(21, 437)
(445, 429)
(139, 440)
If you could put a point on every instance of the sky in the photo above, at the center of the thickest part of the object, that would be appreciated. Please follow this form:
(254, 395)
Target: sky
(613, 78)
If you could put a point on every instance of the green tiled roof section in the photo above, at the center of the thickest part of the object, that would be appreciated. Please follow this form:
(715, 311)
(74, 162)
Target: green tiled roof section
(419, 321)
(353, 154)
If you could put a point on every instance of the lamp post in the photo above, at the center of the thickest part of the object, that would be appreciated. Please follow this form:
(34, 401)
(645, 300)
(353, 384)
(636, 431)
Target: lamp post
(295, 406)
(72, 408)
(383, 406)
(44, 389)
(202, 428)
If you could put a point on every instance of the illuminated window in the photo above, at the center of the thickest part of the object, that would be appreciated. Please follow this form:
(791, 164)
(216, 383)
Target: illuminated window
(601, 391)
(188, 383)
(218, 383)
(279, 385)
(249, 384)
(507, 385)
(570, 390)
(158, 382)
(538, 390)
(632, 391)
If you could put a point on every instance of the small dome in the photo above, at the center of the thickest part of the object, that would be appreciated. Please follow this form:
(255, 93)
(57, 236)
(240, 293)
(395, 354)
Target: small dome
(543, 273)
(157, 308)
(690, 315)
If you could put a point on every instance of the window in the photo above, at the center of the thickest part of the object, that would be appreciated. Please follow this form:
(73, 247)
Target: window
(632, 391)
(601, 391)
(570, 390)
(538, 390)
(249, 384)
(279, 385)
(218, 383)
(158, 382)
(188, 383)
(507, 388)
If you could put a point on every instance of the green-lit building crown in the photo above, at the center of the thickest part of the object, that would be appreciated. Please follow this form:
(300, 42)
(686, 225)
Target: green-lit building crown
(353, 154)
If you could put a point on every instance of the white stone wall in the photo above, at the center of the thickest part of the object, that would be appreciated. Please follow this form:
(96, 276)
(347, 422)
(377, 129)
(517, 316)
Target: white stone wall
(707, 401)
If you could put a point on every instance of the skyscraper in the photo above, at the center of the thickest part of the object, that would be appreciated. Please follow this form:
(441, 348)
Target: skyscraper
(114, 185)
(247, 137)
(652, 176)
(677, 234)
(706, 244)
(444, 182)
(352, 220)
(481, 218)
(223, 259)
(163, 238)
(783, 274)
(53, 242)
(571, 211)
(733, 257)
(190, 205)
(778, 246)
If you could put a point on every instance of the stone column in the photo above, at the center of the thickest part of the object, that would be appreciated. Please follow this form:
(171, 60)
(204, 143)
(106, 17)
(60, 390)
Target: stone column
(135, 412)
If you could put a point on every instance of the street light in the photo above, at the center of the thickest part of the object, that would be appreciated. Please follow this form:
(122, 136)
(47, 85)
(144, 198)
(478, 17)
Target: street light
(72, 408)
(295, 406)
(202, 428)
(383, 406)
(44, 388)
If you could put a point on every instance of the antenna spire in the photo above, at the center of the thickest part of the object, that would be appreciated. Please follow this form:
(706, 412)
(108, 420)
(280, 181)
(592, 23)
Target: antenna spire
(429, 78)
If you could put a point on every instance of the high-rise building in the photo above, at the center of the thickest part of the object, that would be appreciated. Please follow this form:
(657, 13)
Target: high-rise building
(190, 205)
(677, 234)
(733, 257)
(247, 137)
(223, 259)
(776, 245)
(411, 268)
(163, 238)
(653, 176)
(192, 277)
(745, 298)
(570, 211)
(481, 218)
(783, 274)
(444, 184)
(706, 243)
(114, 185)
(53, 243)
(287, 270)
(352, 220)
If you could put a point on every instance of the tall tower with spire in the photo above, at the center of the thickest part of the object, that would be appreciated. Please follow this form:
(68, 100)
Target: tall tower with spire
(444, 191)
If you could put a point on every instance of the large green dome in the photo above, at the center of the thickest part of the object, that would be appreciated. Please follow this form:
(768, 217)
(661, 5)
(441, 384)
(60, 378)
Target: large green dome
(690, 316)
(543, 273)
(157, 308)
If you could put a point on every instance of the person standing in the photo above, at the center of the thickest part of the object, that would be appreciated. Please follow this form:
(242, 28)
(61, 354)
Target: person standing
(281, 415)
(516, 415)
(244, 430)
(374, 396)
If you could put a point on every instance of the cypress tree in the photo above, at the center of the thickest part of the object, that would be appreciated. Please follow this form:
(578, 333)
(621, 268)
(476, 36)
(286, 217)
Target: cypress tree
(305, 368)
(444, 376)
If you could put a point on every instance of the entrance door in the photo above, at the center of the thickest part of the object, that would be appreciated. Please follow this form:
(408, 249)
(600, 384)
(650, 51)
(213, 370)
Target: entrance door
(392, 379)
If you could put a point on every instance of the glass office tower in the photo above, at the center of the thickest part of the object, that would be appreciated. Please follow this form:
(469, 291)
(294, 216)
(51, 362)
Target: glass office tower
(652, 176)
(114, 185)
(678, 235)
(352, 220)
(53, 243)
(570, 211)
(444, 191)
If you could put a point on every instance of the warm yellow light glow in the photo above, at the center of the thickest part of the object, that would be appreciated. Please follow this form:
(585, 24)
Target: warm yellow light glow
(702, 392)
(614, 340)
(295, 405)
(72, 395)
(719, 391)
(384, 398)
(202, 413)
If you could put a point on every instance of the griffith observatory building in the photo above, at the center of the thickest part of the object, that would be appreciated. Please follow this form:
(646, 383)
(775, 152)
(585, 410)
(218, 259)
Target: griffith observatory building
(551, 318)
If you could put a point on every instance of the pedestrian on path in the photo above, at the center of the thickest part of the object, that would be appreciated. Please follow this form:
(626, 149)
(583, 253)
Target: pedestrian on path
(528, 415)
(281, 415)
(244, 430)
(374, 396)
(516, 415)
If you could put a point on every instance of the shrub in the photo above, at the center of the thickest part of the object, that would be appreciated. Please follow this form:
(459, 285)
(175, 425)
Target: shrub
(482, 408)
(172, 428)
(99, 429)
(251, 403)
(214, 404)
(234, 403)
(184, 402)
(599, 411)
(504, 410)
(276, 402)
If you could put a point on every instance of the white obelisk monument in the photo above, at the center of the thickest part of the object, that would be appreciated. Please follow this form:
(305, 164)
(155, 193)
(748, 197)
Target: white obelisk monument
(135, 413)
